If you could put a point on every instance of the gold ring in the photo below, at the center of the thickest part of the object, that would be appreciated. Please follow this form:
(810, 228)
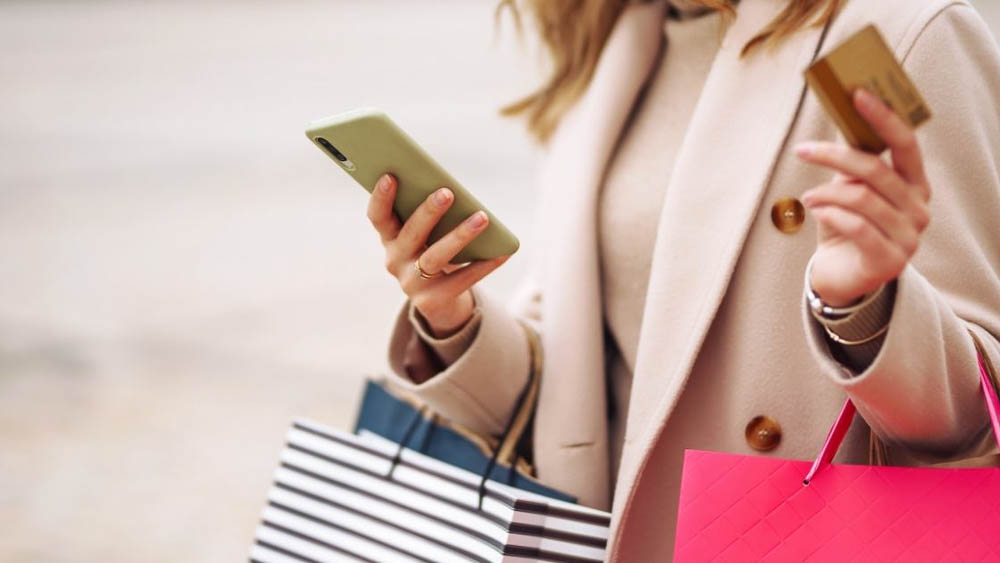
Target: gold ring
(420, 271)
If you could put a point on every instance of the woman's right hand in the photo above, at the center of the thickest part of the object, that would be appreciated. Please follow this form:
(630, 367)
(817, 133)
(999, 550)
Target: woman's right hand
(445, 301)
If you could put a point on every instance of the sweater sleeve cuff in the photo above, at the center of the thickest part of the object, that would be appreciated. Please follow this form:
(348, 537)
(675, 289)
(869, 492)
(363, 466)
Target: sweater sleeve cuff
(452, 347)
(921, 388)
(860, 327)
(480, 388)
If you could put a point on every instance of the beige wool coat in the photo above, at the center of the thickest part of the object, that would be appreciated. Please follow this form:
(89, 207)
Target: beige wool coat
(725, 335)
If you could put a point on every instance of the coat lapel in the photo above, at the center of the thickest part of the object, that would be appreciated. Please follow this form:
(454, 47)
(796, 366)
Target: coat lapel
(573, 338)
(739, 127)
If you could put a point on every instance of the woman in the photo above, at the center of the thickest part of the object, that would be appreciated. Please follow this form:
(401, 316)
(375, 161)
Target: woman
(670, 286)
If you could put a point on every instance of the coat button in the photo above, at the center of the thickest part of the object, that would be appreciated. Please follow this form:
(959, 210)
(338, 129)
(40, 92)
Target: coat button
(763, 433)
(788, 214)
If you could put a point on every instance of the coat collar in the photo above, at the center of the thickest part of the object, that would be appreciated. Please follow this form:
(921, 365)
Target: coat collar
(724, 166)
(570, 182)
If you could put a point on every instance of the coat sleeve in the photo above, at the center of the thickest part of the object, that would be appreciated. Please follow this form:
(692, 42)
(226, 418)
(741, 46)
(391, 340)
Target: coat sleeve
(479, 382)
(921, 392)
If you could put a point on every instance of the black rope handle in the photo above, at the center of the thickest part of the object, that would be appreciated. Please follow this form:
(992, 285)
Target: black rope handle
(410, 428)
(503, 439)
(519, 449)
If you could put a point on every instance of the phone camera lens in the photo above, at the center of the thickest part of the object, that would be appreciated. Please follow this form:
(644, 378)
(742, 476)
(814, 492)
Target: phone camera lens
(331, 149)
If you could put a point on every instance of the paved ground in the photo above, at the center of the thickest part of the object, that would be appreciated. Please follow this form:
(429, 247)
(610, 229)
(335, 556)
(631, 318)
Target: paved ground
(181, 272)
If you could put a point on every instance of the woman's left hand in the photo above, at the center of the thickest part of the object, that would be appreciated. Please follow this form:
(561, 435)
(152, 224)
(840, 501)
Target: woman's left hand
(871, 215)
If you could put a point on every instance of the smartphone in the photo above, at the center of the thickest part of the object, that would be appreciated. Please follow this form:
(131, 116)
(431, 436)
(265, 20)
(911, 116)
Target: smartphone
(365, 143)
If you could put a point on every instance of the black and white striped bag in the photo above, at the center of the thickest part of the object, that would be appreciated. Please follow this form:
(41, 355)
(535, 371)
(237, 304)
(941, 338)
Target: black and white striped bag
(343, 497)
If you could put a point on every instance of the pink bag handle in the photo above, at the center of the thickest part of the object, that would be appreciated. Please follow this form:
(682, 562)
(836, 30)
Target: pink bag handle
(839, 430)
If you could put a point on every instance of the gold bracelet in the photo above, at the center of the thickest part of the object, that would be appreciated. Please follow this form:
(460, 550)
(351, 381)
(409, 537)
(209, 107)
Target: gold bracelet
(843, 342)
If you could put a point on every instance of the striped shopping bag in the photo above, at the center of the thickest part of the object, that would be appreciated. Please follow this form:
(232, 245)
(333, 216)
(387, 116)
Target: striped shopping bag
(344, 497)
(410, 486)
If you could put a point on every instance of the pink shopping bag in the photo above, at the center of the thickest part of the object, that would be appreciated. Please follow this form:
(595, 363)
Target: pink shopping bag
(745, 508)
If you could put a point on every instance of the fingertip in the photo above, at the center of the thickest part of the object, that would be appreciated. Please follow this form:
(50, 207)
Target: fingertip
(866, 102)
(385, 184)
(443, 196)
(501, 259)
(805, 149)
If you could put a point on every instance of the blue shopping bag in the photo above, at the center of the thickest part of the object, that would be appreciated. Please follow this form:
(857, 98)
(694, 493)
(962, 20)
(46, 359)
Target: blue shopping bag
(390, 413)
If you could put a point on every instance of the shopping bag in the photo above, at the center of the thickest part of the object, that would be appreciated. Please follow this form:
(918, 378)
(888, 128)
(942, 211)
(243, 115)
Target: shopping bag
(392, 414)
(398, 416)
(746, 508)
(411, 486)
(344, 497)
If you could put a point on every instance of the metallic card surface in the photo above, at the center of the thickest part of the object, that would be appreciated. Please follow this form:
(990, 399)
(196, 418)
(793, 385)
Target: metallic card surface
(865, 61)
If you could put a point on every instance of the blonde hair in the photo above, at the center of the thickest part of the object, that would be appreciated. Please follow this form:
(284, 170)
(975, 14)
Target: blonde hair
(574, 33)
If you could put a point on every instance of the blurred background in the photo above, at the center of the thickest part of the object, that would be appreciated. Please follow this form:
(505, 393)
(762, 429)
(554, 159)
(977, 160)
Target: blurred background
(182, 273)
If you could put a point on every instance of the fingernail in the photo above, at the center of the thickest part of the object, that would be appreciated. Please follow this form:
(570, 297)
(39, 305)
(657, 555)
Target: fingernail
(805, 149)
(383, 184)
(866, 98)
(477, 220)
(442, 196)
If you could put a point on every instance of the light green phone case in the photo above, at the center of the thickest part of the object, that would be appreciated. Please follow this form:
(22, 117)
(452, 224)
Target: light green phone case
(365, 143)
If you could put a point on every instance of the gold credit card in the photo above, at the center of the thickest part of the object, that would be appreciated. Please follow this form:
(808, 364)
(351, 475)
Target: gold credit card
(865, 61)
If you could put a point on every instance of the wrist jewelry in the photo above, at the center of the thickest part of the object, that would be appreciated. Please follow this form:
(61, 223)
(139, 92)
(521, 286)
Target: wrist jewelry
(822, 311)
(843, 342)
